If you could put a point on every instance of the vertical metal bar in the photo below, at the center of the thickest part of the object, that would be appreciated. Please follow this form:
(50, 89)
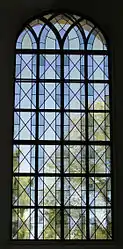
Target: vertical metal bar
(62, 146)
(36, 146)
(104, 65)
(68, 189)
(12, 174)
(55, 84)
(44, 147)
(87, 151)
(111, 142)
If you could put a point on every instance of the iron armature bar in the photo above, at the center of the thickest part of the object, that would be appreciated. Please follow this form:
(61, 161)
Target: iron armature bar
(87, 149)
(66, 207)
(64, 174)
(60, 111)
(62, 147)
(111, 141)
(24, 80)
(36, 149)
(58, 142)
(59, 51)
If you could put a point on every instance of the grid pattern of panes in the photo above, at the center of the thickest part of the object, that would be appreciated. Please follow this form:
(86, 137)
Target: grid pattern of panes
(61, 186)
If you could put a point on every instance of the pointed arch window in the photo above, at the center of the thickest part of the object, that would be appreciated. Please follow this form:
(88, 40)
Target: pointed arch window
(61, 186)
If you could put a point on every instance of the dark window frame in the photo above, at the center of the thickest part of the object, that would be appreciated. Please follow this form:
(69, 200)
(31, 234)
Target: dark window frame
(62, 142)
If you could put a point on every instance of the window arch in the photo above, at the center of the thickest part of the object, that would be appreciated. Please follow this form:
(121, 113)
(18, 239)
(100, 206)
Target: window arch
(61, 186)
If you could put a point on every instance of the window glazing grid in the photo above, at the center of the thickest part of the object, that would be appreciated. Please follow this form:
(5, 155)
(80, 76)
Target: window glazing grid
(61, 188)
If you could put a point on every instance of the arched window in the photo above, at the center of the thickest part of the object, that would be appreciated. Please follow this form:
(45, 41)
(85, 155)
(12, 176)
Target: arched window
(61, 186)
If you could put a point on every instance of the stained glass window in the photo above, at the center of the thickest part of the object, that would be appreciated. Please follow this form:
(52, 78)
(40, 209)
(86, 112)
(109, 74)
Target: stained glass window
(61, 186)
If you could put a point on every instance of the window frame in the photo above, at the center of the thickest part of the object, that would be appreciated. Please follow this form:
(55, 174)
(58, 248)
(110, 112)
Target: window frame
(70, 241)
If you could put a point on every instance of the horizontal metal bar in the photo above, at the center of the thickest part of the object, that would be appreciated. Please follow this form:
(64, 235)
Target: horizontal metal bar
(64, 174)
(65, 207)
(59, 110)
(58, 51)
(22, 80)
(59, 242)
(58, 142)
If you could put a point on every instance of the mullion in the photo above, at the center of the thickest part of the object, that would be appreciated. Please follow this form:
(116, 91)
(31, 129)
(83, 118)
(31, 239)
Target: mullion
(69, 140)
(94, 191)
(87, 149)
(36, 147)
(62, 147)
(111, 146)
(19, 156)
(55, 147)
(44, 144)
(19, 104)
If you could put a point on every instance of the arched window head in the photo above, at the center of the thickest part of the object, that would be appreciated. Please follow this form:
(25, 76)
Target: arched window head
(26, 40)
(74, 39)
(96, 40)
(61, 181)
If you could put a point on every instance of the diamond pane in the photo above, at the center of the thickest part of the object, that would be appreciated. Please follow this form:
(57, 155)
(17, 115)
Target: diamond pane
(74, 191)
(100, 224)
(49, 159)
(25, 95)
(49, 96)
(74, 126)
(74, 224)
(49, 191)
(25, 66)
(74, 159)
(23, 223)
(98, 96)
(98, 67)
(49, 66)
(49, 126)
(23, 158)
(99, 126)
(100, 191)
(23, 191)
(99, 159)
(24, 125)
(49, 224)
(74, 96)
(74, 67)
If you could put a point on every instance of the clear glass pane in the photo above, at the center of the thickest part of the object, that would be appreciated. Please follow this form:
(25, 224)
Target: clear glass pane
(74, 67)
(100, 224)
(74, 96)
(25, 66)
(74, 126)
(49, 126)
(23, 223)
(24, 125)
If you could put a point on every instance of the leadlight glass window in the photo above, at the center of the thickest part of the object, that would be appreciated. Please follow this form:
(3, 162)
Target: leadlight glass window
(61, 186)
